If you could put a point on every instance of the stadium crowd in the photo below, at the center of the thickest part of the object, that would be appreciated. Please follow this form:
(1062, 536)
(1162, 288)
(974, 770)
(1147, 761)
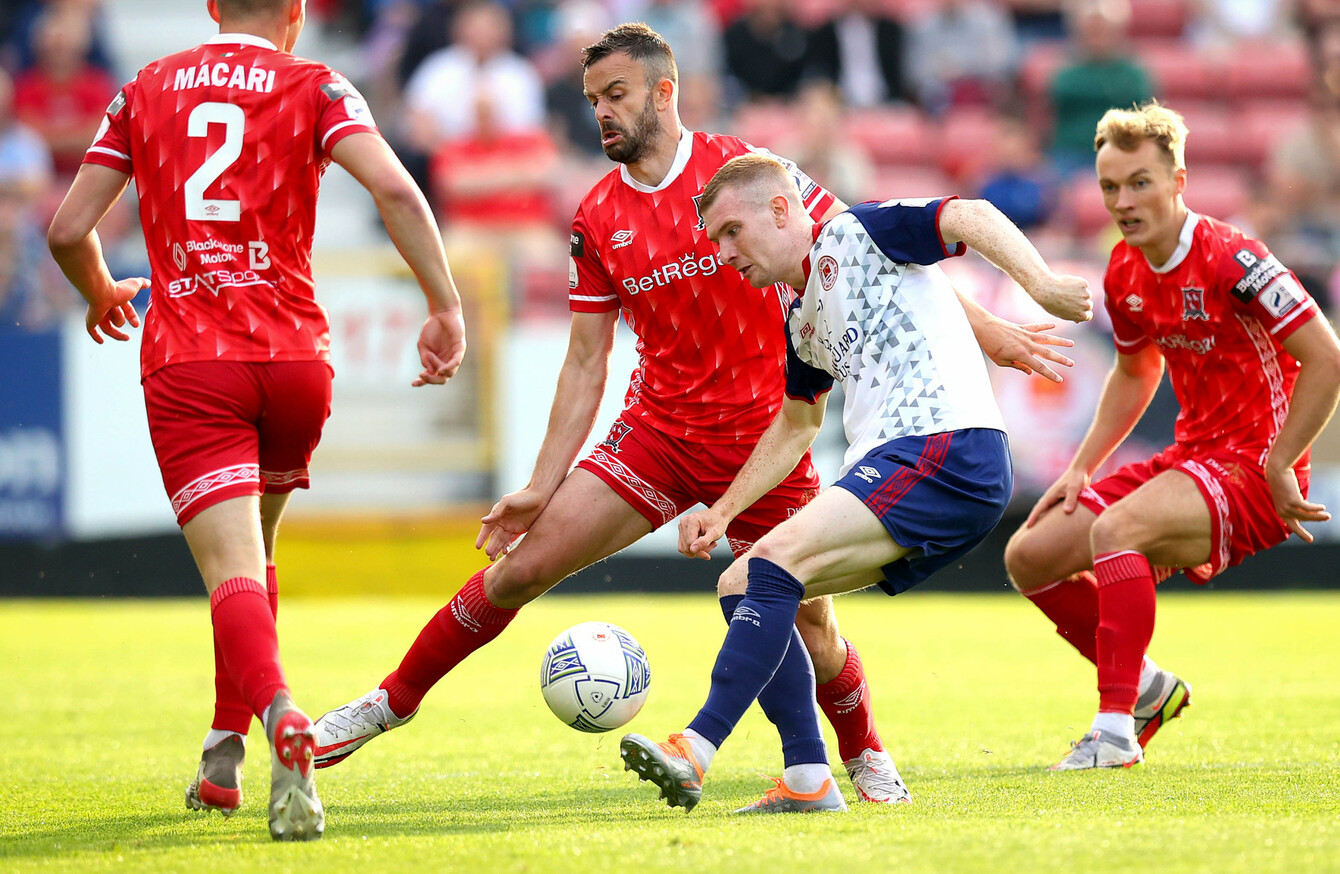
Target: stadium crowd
(875, 98)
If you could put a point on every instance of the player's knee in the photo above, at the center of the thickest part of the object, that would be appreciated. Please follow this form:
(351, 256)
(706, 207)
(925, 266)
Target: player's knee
(774, 550)
(512, 584)
(733, 580)
(1120, 527)
(1025, 561)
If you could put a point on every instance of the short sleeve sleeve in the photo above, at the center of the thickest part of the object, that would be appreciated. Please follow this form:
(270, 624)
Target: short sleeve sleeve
(589, 286)
(1127, 336)
(341, 111)
(804, 382)
(111, 144)
(1265, 288)
(908, 231)
(817, 199)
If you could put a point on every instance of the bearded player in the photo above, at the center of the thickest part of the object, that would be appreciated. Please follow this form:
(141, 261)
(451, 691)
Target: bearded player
(1257, 373)
(227, 143)
(709, 382)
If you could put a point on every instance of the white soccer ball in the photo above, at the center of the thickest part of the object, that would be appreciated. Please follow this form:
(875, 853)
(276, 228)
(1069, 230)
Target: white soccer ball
(595, 676)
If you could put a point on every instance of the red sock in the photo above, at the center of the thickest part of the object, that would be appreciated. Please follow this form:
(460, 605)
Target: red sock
(845, 700)
(1073, 605)
(245, 632)
(272, 589)
(231, 712)
(1125, 627)
(467, 622)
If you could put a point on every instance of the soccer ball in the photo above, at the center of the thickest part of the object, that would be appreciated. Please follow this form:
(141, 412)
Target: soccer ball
(595, 676)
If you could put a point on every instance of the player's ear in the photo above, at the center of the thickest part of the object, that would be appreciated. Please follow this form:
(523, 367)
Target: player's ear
(781, 209)
(1179, 180)
(665, 93)
(296, 11)
(213, 7)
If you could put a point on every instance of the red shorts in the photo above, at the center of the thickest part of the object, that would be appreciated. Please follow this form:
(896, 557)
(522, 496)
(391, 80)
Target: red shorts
(1242, 511)
(227, 429)
(663, 476)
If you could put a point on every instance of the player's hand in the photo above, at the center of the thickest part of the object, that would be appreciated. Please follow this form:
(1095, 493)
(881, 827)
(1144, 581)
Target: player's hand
(699, 532)
(511, 517)
(116, 311)
(1292, 508)
(441, 347)
(1065, 491)
(1027, 348)
(1066, 297)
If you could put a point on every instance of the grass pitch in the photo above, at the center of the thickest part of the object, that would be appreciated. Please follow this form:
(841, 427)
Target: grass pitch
(108, 702)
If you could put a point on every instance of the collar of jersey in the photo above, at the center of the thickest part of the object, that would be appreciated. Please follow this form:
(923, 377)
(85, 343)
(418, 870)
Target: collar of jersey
(805, 263)
(246, 39)
(682, 153)
(1183, 245)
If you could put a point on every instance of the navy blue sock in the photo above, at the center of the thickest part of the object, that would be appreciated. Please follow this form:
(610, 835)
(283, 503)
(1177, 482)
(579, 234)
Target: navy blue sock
(788, 700)
(763, 657)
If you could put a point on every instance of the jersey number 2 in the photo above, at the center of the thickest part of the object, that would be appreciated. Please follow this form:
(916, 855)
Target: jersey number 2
(198, 208)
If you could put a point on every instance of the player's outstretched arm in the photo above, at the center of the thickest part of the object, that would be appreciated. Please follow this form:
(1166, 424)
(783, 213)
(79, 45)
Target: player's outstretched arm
(778, 451)
(413, 229)
(1129, 388)
(1026, 348)
(73, 240)
(1313, 402)
(581, 385)
(986, 229)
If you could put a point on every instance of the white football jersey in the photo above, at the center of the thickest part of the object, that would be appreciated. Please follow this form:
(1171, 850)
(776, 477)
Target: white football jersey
(880, 316)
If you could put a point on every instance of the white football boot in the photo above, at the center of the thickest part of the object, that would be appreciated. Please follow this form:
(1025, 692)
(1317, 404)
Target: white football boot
(1100, 750)
(876, 778)
(343, 730)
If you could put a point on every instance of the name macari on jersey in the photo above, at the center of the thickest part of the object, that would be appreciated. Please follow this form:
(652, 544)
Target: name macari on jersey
(225, 75)
(685, 268)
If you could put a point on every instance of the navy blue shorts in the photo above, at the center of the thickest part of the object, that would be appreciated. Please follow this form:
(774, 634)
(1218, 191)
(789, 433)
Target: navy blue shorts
(938, 496)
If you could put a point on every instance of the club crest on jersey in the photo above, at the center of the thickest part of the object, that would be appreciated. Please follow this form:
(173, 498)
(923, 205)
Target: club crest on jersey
(1193, 305)
(621, 239)
(828, 271)
(867, 473)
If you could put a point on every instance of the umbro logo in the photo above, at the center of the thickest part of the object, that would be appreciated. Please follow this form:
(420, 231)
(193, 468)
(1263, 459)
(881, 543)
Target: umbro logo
(462, 615)
(867, 473)
(1136, 303)
(621, 239)
(745, 614)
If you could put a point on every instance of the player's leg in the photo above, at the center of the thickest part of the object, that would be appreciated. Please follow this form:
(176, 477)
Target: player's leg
(583, 523)
(850, 543)
(1049, 564)
(839, 680)
(1164, 523)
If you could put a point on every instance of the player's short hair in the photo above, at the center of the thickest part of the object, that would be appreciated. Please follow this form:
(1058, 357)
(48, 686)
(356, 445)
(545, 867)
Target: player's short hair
(640, 43)
(763, 171)
(1128, 128)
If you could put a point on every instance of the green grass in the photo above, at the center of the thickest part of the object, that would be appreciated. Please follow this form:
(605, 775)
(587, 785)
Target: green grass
(106, 704)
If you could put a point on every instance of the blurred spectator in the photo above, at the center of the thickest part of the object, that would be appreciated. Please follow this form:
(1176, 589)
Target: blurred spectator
(32, 295)
(1304, 176)
(1101, 74)
(21, 46)
(700, 102)
(820, 145)
(1037, 20)
(479, 62)
(25, 160)
(766, 51)
(579, 24)
(494, 179)
(63, 96)
(1220, 25)
(962, 52)
(1020, 183)
(691, 28)
(430, 33)
(863, 49)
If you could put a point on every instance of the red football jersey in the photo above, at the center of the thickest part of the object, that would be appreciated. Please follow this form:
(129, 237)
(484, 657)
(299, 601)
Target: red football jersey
(227, 143)
(1218, 311)
(712, 348)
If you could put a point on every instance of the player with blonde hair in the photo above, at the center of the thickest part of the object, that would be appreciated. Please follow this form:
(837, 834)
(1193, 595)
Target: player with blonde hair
(1257, 373)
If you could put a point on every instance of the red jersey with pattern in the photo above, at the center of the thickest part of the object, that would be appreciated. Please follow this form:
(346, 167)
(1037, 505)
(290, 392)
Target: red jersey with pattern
(1218, 311)
(227, 143)
(712, 349)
